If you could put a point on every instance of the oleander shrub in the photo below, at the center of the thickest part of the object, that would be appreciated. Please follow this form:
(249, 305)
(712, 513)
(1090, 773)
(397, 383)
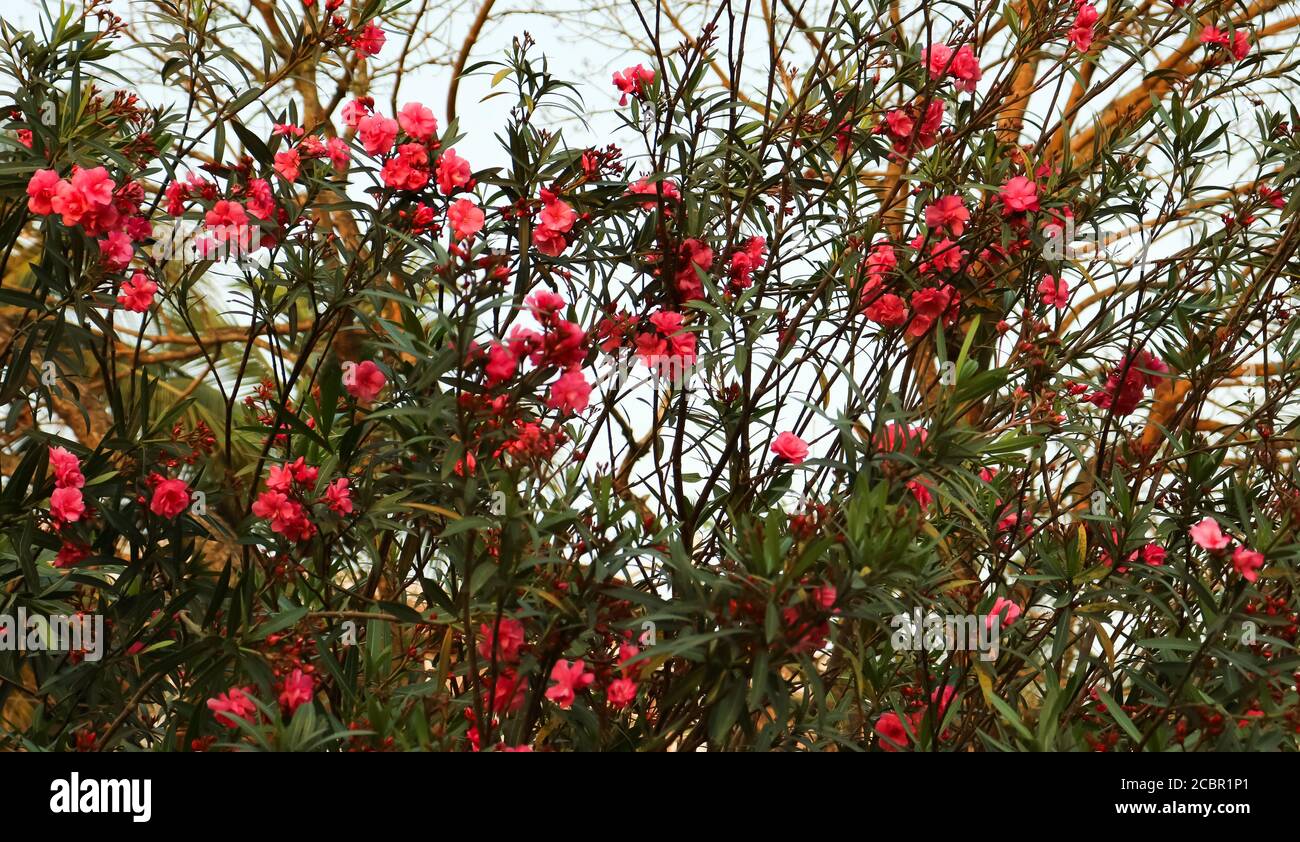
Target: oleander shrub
(891, 376)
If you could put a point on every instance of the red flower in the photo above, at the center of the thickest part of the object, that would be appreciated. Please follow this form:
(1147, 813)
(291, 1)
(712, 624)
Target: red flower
(1004, 610)
(892, 732)
(453, 172)
(408, 169)
(634, 81)
(694, 257)
(338, 497)
(466, 218)
(1018, 195)
(41, 188)
(236, 703)
(1055, 293)
(370, 41)
(621, 692)
(1126, 384)
(790, 447)
(569, 680)
(1247, 563)
(364, 381)
(897, 438)
(288, 165)
(1081, 31)
(377, 134)
(888, 310)
(947, 212)
(666, 190)
(502, 364)
(66, 468)
(417, 121)
(570, 393)
(137, 294)
(297, 690)
(508, 640)
(170, 498)
(928, 305)
(66, 505)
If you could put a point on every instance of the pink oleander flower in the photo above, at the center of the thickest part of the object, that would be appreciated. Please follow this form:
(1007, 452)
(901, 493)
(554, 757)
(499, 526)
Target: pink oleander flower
(886, 309)
(95, 185)
(966, 69)
(1240, 44)
(891, 732)
(67, 505)
(508, 640)
(270, 504)
(137, 293)
(569, 679)
(621, 692)
(377, 134)
(1055, 293)
(408, 169)
(288, 165)
(355, 109)
(116, 250)
(880, 261)
(235, 703)
(170, 498)
(370, 41)
(1004, 610)
(1081, 31)
(947, 212)
(66, 469)
(364, 381)
(69, 203)
(417, 121)
(1018, 195)
(555, 220)
(453, 172)
(556, 214)
(41, 188)
(297, 690)
(466, 218)
(901, 439)
(633, 81)
(667, 190)
(936, 58)
(1214, 37)
(962, 65)
(543, 304)
(790, 447)
(339, 497)
(1208, 535)
(928, 306)
(228, 214)
(570, 393)
(340, 154)
(502, 364)
(1247, 563)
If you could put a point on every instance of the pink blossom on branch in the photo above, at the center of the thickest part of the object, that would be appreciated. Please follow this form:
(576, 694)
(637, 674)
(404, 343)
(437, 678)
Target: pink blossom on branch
(364, 380)
(790, 448)
(1207, 535)
(570, 679)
